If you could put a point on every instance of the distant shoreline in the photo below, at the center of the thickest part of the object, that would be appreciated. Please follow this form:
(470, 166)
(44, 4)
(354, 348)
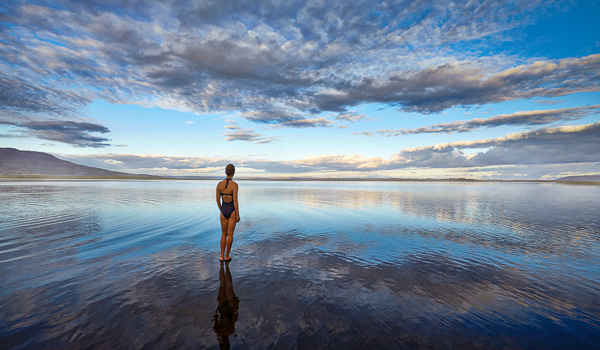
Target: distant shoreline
(20, 165)
(163, 178)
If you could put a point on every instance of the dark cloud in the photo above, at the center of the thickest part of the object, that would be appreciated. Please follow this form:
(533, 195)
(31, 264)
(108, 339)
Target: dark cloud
(286, 118)
(296, 58)
(18, 98)
(272, 116)
(74, 133)
(527, 118)
(438, 88)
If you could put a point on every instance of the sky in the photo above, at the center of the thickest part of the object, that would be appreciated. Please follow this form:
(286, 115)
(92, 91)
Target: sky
(370, 89)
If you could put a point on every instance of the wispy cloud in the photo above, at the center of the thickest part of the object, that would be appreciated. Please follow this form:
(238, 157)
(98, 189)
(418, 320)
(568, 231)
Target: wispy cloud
(526, 118)
(19, 98)
(549, 102)
(147, 163)
(351, 117)
(236, 133)
(365, 133)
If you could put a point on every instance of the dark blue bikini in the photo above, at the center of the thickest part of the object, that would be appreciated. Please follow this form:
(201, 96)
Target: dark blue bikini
(227, 208)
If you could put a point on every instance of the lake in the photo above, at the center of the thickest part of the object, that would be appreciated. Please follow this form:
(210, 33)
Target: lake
(338, 265)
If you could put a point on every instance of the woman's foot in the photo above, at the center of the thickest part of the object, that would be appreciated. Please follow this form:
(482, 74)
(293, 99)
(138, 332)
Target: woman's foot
(227, 258)
(221, 259)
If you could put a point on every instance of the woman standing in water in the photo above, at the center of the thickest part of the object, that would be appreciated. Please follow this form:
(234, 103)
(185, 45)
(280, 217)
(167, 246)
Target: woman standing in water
(230, 213)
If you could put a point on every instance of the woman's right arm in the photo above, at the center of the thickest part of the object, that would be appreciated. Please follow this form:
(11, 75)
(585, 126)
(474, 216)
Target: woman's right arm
(235, 203)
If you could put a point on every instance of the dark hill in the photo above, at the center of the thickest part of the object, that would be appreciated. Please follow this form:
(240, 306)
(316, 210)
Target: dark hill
(580, 178)
(14, 162)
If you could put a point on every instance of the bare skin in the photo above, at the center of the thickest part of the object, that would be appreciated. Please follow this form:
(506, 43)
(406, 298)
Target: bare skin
(228, 225)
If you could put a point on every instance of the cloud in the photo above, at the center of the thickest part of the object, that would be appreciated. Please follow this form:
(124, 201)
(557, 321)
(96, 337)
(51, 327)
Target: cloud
(535, 171)
(566, 144)
(113, 162)
(308, 123)
(577, 147)
(549, 102)
(19, 98)
(285, 118)
(435, 89)
(562, 145)
(277, 63)
(351, 117)
(528, 118)
(366, 133)
(78, 134)
(147, 162)
(236, 133)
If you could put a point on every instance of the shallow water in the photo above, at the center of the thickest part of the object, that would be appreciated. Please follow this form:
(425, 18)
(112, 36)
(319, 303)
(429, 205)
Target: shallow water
(133, 264)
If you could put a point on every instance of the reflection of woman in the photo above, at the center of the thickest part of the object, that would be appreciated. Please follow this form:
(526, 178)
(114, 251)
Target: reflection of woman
(227, 312)
(230, 212)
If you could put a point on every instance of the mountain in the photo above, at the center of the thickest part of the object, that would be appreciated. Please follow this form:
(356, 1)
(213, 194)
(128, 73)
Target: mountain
(14, 162)
(580, 178)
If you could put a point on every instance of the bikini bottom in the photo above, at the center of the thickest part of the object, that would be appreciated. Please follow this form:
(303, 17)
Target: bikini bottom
(227, 208)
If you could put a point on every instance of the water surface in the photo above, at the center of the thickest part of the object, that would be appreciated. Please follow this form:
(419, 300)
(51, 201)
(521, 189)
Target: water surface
(133, 264)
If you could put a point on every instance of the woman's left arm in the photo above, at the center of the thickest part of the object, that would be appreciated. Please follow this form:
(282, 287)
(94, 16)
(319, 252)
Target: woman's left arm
(218, 195)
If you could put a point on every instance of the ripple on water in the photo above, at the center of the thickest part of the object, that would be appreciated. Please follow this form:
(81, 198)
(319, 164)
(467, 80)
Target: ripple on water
(385, 265)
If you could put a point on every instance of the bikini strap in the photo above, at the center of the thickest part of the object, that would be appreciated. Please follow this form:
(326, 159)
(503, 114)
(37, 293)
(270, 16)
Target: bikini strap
(226, 194)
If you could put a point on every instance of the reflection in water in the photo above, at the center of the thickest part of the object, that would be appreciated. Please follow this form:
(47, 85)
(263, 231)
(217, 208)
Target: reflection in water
(227, 311)
(130, 264)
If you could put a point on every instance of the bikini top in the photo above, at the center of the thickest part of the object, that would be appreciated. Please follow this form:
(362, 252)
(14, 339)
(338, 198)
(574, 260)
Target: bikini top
(226, 194)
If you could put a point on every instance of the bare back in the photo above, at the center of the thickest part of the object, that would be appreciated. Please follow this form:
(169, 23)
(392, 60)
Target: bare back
(227, 190)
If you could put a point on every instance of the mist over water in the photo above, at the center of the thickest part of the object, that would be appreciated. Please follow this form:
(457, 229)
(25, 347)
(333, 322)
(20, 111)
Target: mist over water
(133, 264)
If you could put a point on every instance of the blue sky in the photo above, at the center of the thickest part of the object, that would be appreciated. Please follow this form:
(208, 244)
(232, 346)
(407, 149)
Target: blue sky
(477, 89)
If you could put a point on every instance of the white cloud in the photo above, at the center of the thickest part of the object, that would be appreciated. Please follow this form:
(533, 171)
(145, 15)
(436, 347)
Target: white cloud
(540, 149)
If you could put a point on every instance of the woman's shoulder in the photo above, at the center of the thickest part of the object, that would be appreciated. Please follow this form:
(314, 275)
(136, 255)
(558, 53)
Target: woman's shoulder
(222, 183)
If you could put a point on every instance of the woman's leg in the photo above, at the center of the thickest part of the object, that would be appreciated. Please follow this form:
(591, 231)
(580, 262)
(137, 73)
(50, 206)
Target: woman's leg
(230, 229)
(224, 228)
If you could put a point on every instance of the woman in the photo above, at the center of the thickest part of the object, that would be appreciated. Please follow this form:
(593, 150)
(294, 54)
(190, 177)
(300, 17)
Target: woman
(230, 212)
